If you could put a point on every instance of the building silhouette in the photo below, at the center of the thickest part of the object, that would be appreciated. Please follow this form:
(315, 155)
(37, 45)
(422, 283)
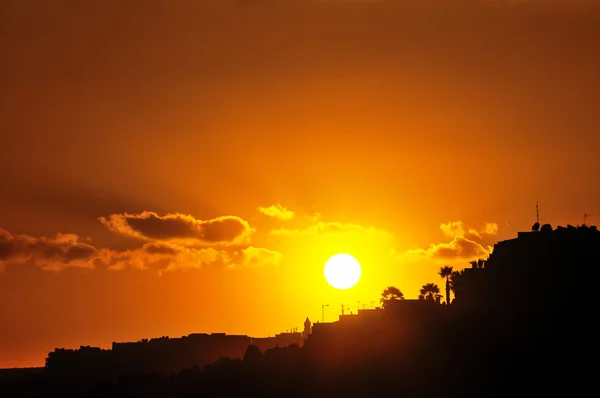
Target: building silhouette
(162, 355)
(529, 306)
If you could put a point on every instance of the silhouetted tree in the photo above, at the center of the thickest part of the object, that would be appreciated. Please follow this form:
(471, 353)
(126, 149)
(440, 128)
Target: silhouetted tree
(391, 293)
(455, 282)
(446, 272)
(252, 355)
(430, 291)
(477, 263)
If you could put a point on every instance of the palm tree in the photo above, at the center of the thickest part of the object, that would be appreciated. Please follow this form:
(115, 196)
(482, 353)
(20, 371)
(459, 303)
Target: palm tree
(430, 291)
(446, 272)
(455, 279)
(391, 293)
(477, 263)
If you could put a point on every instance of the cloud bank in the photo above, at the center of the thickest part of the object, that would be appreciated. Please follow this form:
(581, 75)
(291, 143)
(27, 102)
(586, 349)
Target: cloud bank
(172, 242)
(466, 244)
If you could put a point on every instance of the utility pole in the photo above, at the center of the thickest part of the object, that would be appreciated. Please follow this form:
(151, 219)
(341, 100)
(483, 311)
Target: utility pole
(323, 311)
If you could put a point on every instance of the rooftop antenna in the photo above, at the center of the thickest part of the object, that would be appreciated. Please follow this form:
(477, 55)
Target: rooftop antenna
(342, 309)
(536, 226)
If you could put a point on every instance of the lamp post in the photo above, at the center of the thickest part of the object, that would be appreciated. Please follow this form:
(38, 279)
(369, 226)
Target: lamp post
(323, 311)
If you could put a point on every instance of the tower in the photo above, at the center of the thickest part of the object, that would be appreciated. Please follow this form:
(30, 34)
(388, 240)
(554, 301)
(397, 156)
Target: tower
(307, 326)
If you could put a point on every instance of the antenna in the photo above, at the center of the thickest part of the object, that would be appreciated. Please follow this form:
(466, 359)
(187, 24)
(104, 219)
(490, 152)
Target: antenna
(342, 309)
(536, 226)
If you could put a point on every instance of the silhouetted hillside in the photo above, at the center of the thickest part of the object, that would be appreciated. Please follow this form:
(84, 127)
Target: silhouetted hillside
(520, 325)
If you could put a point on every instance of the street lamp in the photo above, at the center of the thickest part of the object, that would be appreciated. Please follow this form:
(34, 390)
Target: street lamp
(323, 311)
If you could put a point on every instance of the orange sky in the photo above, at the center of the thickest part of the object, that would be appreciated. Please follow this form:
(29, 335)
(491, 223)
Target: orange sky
(143, 146)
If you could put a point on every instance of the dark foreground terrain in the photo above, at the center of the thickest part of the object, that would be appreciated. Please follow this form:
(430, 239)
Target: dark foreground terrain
(520, 326)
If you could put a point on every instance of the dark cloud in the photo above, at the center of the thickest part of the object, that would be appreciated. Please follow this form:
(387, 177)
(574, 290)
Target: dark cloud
(49, 253)
(180, 228)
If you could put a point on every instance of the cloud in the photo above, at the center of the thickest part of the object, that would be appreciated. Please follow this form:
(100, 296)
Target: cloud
(48, 253)
(490, 228)
(68, 251)
(251, 257)
(277, 211)
(163, 258)
(466, 243)
(458, 248)
(180, 228)
(453, 229)
(322, 228)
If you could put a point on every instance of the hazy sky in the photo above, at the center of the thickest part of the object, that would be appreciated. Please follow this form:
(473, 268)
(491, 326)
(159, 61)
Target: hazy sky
(171, 167)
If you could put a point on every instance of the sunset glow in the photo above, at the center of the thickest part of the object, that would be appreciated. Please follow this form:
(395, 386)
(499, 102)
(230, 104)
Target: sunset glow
(192, 166)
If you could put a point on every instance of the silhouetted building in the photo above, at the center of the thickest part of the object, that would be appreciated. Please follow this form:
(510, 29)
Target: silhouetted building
(307, 328)
(533, 301)
(280, 340)
(162, 355)
(373, 333)
(536, 272)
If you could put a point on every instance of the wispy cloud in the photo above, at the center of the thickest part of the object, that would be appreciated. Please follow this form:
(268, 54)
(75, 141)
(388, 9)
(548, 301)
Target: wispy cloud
(322, 228)
(161, 258)
(455, 229)
(277, 211)
(251, 257)
(490, 228)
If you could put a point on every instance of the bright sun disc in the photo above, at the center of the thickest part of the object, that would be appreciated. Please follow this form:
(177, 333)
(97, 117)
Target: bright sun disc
(342, 271)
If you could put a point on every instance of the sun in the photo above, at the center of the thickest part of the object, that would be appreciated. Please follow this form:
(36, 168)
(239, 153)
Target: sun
(342, 271)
